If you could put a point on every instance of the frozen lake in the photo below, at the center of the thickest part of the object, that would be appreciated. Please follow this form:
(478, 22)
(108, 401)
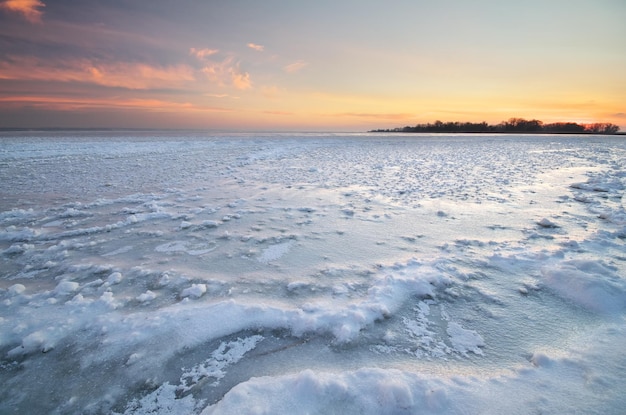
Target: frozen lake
(189, 273)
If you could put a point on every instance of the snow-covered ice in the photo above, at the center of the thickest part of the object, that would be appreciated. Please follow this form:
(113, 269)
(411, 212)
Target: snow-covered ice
(190, 273)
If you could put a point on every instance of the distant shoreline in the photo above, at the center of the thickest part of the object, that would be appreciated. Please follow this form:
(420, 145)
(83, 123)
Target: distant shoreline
(620, 133)
(512, 126)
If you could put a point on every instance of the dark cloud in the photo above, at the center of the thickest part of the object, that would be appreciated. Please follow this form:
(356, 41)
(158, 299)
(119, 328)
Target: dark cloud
(103, 35)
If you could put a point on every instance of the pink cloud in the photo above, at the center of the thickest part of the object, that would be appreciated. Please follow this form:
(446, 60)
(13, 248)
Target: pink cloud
(216, 72)
(240, 80)
(86, 103)
(227, 73)
(29, 9)
(202, 54)
(295, 67)
(115, 74)
(221, 96)
(258, 48)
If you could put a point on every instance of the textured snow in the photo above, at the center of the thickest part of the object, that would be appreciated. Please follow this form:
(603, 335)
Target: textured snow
(160, 273)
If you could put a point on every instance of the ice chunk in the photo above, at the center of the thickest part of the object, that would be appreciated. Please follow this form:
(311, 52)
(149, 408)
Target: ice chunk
(109, 300)
(146, 297)
(547, 223)
(195, 291)
(208, 224)
(66, 287)
(114, 278)
(16, 289)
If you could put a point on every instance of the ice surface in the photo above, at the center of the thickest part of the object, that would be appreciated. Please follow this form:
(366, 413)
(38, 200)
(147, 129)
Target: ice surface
(159, 273)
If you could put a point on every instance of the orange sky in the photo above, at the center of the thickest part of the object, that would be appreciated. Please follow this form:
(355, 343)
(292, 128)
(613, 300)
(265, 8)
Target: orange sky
(328, 65)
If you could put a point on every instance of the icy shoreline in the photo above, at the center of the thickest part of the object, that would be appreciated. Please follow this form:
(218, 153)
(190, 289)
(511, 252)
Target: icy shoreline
(326, 274)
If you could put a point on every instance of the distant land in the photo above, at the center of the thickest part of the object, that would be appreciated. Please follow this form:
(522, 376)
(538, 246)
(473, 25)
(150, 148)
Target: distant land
(513, 125)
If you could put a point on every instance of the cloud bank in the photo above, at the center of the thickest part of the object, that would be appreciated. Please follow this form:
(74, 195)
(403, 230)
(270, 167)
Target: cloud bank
(28, 9)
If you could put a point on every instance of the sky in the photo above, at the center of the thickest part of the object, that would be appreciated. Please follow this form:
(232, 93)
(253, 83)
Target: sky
(324, 65)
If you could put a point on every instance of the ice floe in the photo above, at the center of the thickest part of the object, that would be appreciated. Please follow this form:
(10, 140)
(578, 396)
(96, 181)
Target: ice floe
(312, 273)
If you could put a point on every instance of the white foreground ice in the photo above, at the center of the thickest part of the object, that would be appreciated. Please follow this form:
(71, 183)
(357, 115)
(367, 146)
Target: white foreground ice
(186, 273)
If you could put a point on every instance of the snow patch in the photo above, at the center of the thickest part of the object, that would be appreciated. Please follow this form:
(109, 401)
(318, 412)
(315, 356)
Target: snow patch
(589, 284)
(464, 340)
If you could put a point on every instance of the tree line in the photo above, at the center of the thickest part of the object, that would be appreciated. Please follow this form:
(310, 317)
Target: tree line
(513, 125)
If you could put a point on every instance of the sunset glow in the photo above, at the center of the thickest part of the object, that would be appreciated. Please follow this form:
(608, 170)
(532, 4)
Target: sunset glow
(350, 65)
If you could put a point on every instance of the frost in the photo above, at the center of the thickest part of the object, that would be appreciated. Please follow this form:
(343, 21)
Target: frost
(227, 354)
(275, 252)
(164, 401)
